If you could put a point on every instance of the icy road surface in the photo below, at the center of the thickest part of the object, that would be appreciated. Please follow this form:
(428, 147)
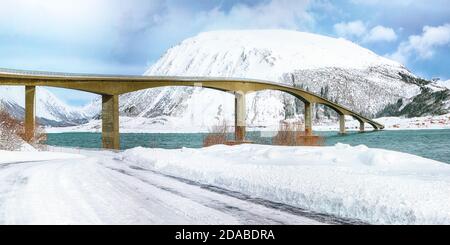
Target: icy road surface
(95, 188)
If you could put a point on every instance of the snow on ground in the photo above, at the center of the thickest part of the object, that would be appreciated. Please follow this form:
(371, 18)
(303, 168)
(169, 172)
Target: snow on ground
(8, 157)
(373, 185)
(247, 184)
(393, 123)
(428, 122)
(95, 188)
(147, 125)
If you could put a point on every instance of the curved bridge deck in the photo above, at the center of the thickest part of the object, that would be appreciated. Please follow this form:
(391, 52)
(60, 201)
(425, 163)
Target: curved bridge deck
(111, 86)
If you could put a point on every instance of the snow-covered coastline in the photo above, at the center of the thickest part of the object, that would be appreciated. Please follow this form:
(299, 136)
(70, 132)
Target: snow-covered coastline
(373, 185)
(146, 125)
(396, 123)
(353, 183)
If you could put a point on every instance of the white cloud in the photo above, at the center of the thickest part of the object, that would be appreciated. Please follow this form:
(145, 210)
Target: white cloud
(69, 20)
(288, 14)
(174, 22)
(133, 30)
(350, 29)
(423, 46)
(387, 2)
(359, 31)
(381, 33)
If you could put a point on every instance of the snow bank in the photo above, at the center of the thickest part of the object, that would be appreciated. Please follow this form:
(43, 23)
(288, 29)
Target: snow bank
(373, 185)
(25, 147)
(8, 157)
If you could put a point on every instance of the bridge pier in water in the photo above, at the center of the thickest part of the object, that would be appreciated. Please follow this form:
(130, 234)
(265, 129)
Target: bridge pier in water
(110, 122)
(361, 126)
(308, 118)
(342, 124)
(30, 112)
(239, 116)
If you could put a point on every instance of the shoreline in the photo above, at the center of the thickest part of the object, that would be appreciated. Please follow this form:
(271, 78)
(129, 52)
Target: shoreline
(318, 129)
(173, 126)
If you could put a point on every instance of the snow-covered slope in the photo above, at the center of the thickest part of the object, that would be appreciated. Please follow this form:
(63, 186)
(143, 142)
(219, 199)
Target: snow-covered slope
(335, 68)
(49, 109)
(445, 84)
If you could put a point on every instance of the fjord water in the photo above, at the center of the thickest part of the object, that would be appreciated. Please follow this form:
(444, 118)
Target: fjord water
(433, 144)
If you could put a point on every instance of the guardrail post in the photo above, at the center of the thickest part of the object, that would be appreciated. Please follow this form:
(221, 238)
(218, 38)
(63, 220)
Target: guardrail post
(110, 122)
(30, 112)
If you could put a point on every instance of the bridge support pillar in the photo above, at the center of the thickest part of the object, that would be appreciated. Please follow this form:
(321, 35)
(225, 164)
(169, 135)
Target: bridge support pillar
(239, 116)
(308, 118)
(342, 124)
(110, 122)
(361, 126)
(30, 112)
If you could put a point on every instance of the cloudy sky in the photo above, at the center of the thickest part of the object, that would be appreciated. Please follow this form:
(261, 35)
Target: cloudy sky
(127, 36)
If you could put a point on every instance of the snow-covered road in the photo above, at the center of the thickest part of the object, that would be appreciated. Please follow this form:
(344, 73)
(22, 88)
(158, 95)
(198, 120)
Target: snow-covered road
(96, 188)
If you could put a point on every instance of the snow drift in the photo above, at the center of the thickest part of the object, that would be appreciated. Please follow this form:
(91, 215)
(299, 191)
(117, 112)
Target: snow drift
(376, 186)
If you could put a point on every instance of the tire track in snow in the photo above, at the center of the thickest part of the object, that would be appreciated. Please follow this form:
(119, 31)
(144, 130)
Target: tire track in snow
(324, 218)
(247, 216)
(99, 189)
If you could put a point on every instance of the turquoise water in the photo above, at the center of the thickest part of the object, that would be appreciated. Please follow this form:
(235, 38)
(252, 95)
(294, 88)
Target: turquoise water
(433, 144)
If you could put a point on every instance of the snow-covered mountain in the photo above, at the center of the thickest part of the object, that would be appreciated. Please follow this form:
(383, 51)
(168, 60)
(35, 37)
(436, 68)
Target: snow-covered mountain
(334, 68)
(445, 84)
(49, 109)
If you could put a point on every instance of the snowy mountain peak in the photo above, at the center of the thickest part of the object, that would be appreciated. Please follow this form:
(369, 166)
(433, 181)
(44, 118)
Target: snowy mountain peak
(333, 68)
(260, 53)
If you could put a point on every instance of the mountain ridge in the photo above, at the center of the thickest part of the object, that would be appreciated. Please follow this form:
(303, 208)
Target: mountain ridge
(353, 76)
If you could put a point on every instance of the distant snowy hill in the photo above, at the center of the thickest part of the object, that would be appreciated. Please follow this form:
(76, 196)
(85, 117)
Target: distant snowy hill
(334, 68)
(49, 109)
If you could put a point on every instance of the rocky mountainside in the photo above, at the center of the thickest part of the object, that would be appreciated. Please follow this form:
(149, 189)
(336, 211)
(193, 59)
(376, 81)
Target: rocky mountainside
(334, 68)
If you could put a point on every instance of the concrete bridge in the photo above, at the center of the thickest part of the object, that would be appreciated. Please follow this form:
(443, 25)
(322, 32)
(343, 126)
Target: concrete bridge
(110, 87)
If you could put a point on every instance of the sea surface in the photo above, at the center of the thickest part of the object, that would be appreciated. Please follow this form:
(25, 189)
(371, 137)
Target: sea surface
(433, 144)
